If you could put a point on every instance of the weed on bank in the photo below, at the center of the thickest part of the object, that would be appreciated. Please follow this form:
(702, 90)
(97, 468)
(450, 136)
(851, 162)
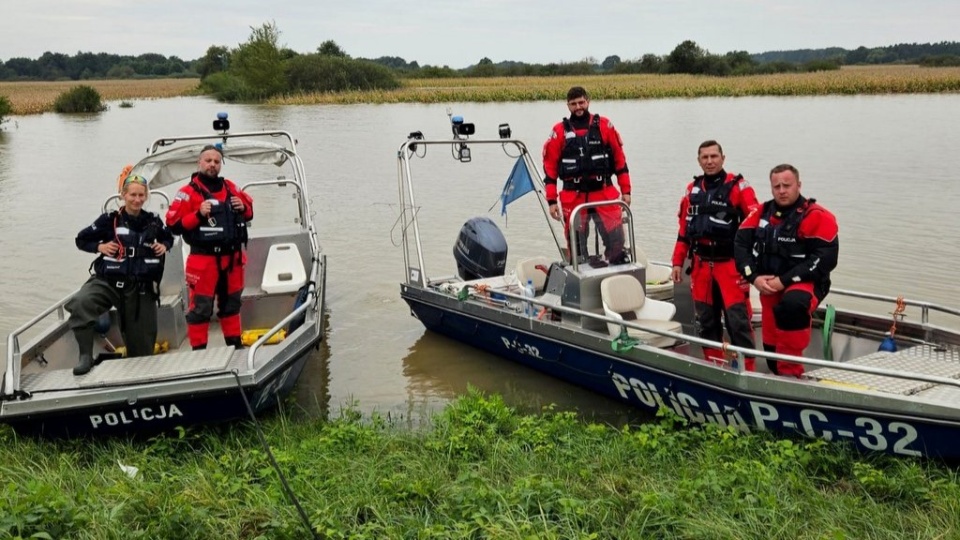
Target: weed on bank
(482, 470)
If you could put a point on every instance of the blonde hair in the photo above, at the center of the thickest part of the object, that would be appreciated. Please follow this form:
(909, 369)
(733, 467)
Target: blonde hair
(134, 179)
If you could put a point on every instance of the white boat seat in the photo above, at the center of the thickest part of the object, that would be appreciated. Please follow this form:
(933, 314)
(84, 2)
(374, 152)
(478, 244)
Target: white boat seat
(527, 269)
(659, 285)
(283, 271)
(623, 299)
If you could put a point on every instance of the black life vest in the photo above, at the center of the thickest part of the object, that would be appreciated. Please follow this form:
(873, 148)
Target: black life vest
(711, 215)
(777, 246)
(585, 157)
(136, 261)
(223, 231)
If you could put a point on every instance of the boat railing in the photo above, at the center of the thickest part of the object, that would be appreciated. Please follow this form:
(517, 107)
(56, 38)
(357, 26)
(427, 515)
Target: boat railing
(741, 352)
(575, 215)
(925, 307)
(282, 182)
(290, 142)
(409, 225)
(313, 292)
(11, 380)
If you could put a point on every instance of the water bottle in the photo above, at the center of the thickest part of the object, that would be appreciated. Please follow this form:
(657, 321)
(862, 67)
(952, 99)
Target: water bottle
(529, 309)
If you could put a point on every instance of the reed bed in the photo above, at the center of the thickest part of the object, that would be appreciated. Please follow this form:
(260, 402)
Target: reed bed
(38, 97)
(850, 80)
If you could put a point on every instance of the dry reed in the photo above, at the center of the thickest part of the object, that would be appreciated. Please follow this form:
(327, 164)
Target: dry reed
(850, 80)
(35, 97)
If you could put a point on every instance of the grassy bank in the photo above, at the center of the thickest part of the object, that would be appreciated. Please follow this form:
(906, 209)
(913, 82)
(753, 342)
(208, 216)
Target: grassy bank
(483, 471)
(37, 97)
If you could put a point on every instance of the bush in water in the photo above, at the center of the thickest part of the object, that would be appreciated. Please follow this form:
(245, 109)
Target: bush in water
(5, 109)
(80, 99)
(323, 73)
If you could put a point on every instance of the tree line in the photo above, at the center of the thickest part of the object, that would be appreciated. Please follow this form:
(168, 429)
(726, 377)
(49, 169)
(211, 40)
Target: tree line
(261, 68)
(87, 65)
(687, 57)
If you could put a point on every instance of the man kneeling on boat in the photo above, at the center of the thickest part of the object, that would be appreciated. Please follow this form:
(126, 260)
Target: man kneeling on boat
(787, 249)
(132, 243)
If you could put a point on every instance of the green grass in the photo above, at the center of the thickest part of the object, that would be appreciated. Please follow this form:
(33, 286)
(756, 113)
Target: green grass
(481, 471)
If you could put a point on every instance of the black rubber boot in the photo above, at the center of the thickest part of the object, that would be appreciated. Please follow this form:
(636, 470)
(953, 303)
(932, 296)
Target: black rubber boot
(84, 338)
(234, 341)
(771, 364)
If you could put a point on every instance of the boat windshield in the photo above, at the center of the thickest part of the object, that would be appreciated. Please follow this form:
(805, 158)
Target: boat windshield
(601, 234)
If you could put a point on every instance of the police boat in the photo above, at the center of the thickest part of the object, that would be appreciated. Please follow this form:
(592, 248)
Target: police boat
(879, 382)
(282, 313)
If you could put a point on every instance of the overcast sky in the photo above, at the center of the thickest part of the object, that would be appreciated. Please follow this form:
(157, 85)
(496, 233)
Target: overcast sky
(458, 33)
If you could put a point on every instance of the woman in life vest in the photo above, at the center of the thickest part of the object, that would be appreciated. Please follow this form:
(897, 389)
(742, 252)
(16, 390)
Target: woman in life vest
(131, 243)
(212, 213)
(787, 249)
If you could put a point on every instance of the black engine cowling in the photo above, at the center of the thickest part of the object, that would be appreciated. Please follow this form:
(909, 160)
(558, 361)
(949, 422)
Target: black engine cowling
(481, 249)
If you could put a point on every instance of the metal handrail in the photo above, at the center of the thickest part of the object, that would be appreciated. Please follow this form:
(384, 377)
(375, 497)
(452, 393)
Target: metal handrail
(252, 352)
(301, 205)
(574, 227)
(742, 352)
(166, 141)
(407, 199)
(925, 307)
(11, 383)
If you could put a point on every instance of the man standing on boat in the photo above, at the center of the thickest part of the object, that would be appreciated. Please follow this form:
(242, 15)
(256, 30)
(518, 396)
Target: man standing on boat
(711, 211)
(212, 214)
(585, 151)
(787, 250)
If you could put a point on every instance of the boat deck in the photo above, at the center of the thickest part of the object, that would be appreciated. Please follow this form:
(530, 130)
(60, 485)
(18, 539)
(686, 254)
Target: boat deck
(122, 371)
(923, 359)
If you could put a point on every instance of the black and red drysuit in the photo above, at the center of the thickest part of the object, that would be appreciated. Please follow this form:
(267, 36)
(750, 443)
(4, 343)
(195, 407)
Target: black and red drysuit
(798, 244)
(585, 152)
(216, 262)
(711, 211)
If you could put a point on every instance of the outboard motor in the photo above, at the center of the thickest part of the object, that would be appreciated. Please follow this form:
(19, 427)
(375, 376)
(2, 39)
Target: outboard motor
(481, 249)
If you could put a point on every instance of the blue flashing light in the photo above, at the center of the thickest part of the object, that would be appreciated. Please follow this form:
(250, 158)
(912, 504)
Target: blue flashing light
(457, 119)
(221, 115)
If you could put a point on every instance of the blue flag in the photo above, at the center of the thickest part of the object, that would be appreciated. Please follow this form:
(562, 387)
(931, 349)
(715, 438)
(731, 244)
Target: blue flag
(518, 184)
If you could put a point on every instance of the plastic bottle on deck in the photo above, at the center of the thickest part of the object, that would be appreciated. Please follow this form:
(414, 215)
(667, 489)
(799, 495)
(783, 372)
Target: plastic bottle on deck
(529, 309)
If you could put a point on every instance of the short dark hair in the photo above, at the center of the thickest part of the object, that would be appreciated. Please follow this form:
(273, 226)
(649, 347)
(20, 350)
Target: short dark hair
(707, 144)
(783, 167)
(577, 92)
(212, 147)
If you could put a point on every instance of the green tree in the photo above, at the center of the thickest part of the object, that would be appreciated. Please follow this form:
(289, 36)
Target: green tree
(712, 64)
(610, 62)
(330, 48)
(216, 60)
(685, 58)
(79, 99)
(258, 62)
(651, 63)
(740, 62)
(484, 68)
(6, 108)
(323, 73)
